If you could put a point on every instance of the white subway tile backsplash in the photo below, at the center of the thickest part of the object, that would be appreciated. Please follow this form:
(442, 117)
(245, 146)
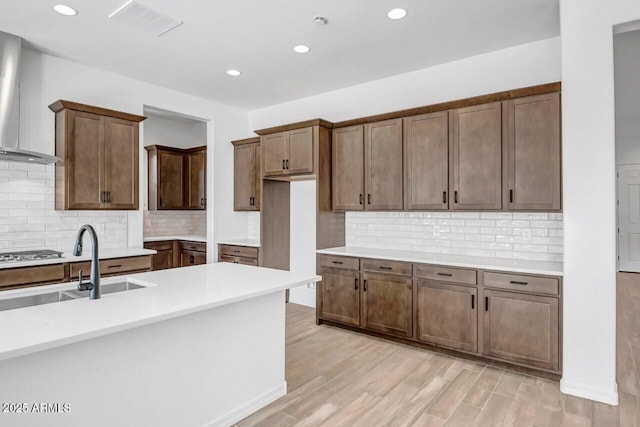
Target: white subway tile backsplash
(253, 226)
(163, 223)
(490, 234)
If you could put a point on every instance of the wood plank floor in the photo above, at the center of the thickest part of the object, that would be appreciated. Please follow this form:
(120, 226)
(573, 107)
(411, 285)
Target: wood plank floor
(341, 378)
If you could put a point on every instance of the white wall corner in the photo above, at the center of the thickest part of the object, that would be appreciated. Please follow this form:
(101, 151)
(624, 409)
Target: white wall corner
(587, 391)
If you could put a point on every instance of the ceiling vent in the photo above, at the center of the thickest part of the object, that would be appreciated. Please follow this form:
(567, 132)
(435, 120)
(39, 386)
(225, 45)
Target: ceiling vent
(144, 18)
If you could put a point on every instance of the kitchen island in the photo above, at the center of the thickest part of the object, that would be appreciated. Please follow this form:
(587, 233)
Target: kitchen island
(201, 345)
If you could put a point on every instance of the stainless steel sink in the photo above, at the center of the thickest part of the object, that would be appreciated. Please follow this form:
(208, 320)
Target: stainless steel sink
(31, 300)
(109, 288)
(65, 295)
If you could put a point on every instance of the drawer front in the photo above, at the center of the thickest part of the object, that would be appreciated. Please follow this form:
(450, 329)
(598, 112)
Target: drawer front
(112, 266)
(387, 267)
(12, 277)
(516, 282)
(239, 260)
(346, 263)
(193, 246)
(241, 251)
(159, 246)
(446, 274)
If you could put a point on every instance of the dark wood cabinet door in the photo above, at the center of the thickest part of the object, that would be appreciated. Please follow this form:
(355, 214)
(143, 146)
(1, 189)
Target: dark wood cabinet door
(163, 259)
(340, 296)
(476, 148)
(196, 179)
(532, 133)
(348, 168)
(121, 162)
(521, 328)
(274, 154)
(387, 304)
(85, 160)
(383, 165)
(426, 161)
(300, 151)
(188, 258)
(244, 177)
(446, 315)
(170, 180)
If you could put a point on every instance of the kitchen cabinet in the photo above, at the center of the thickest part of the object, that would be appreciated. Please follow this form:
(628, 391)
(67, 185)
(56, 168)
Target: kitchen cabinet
(246, 255)
(383, 165)
(21, 277)
(112, 266)
(348, 168)
(99, 152)
(246, 174)
(476, 157)
(165, 254)
(288, 152)
(426, 161)
(387, 303)
(340, 295)
(532, 133)
(192, 253)
(196, 178)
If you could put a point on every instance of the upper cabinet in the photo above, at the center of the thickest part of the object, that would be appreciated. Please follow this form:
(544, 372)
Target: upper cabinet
(177, 178)
(348, 168)
(476, 157)
(246, 174)
(99, 156)
(532, 143)
(287, 153)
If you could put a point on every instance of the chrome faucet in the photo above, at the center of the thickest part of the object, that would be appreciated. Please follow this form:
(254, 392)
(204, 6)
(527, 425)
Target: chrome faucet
(93, 284)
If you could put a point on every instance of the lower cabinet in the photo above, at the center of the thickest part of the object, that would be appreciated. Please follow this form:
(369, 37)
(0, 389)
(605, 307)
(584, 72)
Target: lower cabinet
(112, 267)
(164, 256)
(235, 254)
(522, 328)
(340, 290)
(446, 315)
(387, 304)
(177, 253)
(188, 258)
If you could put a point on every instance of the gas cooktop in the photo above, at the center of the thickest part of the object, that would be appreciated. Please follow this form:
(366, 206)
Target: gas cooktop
(29, 255)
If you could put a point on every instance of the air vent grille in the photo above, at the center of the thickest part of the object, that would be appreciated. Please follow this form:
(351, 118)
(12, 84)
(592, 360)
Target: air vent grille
(144, 18)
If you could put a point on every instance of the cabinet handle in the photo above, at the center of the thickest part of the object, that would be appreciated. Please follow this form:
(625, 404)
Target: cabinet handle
(160, 201)
(365, 285)
(114, 266)
(102, 197)
(455, 196)
(510, 196)
(486, 303)
(385, 268)
(109, 196)
(356, 283)
(515, 282)
(445, 274)
(360, 198)
(283, 165)
(444, 197)
(201, 201)
(337, 262)
(369, 198)
(191, 259)
(473, 302)
(287, 164)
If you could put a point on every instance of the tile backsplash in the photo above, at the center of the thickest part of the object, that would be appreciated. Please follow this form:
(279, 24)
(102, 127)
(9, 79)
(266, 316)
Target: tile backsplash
(163, 223)
(28, 219)
(253, 225)
(532, 236)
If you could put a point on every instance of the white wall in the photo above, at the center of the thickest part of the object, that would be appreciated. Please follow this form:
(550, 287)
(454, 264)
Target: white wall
(46, 78)
(519, 66)
(161, 130)
(302, 238)
(589, 165)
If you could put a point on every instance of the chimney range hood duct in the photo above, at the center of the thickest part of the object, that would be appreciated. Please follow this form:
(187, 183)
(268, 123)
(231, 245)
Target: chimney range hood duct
(10, 52)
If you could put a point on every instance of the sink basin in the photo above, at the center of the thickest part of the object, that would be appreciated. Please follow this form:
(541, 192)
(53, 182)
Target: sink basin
(30, 300)
(65, 295)
(108, 288)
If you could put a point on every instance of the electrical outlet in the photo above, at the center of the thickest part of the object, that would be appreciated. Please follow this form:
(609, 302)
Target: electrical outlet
(436, 231)
(526, 234)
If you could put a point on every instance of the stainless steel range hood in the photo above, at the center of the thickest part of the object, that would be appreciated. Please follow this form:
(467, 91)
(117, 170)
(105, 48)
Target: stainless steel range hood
(10, 53)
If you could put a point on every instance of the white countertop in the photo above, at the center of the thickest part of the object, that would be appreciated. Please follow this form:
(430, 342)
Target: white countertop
(171, 293)
(188, 237)
(486, 263)
(254, 243)
(86, 256)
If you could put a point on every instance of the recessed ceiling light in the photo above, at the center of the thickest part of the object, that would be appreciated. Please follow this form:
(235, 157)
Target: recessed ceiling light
(397, 14)
(301, 48)
(234, 73)
(63, 9)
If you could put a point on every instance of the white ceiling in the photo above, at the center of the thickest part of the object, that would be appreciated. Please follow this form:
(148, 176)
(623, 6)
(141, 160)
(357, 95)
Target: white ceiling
(359, 44)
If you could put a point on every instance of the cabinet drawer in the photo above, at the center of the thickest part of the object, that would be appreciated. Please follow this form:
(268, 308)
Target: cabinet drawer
(193, 246)
(238, 260)
(383, 266)
(239, 251)
(339, 262)
(159, 246)
(534, 284)
(446, 274)
(112, 266)
(14, 277)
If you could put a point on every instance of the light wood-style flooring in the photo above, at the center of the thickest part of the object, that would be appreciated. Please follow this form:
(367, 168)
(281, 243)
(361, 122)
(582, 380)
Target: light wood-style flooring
(341, 378)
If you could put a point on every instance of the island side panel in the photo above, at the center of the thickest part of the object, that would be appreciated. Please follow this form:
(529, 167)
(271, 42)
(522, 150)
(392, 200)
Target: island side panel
(209, 368)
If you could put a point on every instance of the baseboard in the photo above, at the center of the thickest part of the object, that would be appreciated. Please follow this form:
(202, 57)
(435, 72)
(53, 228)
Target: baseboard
(589, 392)
(250, 407)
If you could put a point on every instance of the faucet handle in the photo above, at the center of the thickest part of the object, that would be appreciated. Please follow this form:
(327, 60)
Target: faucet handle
(87, 286)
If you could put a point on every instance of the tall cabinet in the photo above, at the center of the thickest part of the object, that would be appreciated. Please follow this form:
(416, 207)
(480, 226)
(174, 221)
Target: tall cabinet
(99, 155)
(246, 174)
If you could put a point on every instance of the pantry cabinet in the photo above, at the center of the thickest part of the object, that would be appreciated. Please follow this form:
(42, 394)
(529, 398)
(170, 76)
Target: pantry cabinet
(99, 152)
(246, 175)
